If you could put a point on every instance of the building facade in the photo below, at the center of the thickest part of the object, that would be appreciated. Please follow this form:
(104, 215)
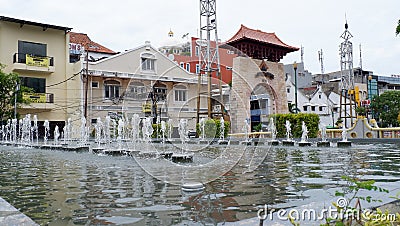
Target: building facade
(142, 81)
(39, 53)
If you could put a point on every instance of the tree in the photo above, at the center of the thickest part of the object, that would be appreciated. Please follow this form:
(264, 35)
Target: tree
(387, 106)
(398, 28)
(8, 89)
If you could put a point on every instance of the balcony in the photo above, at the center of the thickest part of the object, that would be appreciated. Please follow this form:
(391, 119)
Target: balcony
(31, 63)
(38, 101)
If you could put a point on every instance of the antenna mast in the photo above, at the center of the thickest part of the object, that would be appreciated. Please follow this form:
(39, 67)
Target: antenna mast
(321, 61)
(209, 56)
(347, 93)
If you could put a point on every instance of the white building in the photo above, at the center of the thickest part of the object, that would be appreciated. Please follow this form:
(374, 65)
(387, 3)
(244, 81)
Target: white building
(142, 81)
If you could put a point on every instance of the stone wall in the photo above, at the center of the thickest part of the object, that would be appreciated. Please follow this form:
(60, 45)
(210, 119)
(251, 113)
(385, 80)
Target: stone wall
(246, 76)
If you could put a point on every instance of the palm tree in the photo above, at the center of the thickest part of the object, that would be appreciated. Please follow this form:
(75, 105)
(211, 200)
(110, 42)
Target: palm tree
(398, 28)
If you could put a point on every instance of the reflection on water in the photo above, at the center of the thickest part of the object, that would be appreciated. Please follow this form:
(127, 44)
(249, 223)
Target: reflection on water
(67, 188)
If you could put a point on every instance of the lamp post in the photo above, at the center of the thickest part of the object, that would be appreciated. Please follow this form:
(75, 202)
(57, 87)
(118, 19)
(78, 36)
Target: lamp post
(15, 99)
(295, 87)
(370, 93)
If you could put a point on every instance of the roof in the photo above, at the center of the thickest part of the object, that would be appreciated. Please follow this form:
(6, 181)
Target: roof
(91, 46)
(261, 36)
(44, 26)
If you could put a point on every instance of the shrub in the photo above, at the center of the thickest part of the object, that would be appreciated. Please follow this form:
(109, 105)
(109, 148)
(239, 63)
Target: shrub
(311, 121)
(212, 128)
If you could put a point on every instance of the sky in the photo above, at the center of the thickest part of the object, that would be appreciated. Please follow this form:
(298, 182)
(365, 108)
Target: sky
(313, 24)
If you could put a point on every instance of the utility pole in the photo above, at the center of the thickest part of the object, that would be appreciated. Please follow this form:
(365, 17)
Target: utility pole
(86, 84)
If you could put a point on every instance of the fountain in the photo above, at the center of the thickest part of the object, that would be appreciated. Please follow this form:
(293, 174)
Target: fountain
(98, 138)
(163, 129)
(202, 125)
(289, 141)
(35, 128)
(120, 136)
(247, 140)
(344, 142)
(135, 124)
(56, 135)
(222, 140)
(323, 142)
(304, 135)
(46, 131)
(183, 135)
(272, 129)
(170, 129)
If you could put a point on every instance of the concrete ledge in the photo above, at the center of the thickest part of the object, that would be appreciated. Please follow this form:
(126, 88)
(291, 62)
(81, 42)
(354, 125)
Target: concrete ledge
(9, 215)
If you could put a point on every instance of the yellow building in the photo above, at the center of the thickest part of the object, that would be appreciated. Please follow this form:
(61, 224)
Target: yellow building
(39, 53)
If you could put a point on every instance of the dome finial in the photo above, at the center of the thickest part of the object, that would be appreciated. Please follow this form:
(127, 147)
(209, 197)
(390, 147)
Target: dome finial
(170, 33)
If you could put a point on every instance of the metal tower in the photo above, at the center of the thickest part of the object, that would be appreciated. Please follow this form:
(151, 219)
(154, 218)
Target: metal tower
(321, 61)
(347, 92)
(208, 54)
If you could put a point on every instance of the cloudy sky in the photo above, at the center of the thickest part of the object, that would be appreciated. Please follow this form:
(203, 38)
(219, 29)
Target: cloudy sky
(313, 24)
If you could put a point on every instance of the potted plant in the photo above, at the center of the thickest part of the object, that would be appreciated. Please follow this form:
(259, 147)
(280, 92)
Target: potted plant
(361, 111)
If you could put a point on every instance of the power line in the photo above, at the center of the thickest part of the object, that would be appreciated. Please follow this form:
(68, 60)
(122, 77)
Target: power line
(65, 79)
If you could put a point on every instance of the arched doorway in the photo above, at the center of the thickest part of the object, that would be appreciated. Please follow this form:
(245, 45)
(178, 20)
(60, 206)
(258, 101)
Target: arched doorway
(262, 104)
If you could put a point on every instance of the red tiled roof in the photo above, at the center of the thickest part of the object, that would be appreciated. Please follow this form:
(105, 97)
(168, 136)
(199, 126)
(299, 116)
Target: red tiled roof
(257, 35)
(84, 40)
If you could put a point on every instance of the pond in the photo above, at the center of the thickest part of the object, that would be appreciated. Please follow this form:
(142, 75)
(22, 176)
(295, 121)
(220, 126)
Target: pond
(70, 188)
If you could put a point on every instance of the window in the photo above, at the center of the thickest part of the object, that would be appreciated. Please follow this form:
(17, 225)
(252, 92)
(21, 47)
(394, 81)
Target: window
(187, 67)
(160, 91)
(264, 106)
(37, 84)
(197, 68)
(182, 65)
(137, 90)
(95, 84)
(321, 108)
(111, 89)
(180, 93)
(34, 49)
(304, 108)
(196, 50)
(288, 90)
(312, 108)
(319, 96)
(148, 62)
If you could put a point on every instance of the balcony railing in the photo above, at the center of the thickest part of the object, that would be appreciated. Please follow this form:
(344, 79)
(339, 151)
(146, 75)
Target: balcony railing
(38, 97)
(32, 60)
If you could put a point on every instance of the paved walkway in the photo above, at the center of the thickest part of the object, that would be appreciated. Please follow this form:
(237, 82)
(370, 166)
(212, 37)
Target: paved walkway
(10, 216)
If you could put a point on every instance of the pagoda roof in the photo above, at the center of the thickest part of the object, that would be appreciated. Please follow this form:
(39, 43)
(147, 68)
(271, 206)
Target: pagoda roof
(259, 36)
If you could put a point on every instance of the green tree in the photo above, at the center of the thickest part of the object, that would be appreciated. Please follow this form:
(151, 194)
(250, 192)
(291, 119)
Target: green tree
(398, 28)
(8, 87)
(387, 106)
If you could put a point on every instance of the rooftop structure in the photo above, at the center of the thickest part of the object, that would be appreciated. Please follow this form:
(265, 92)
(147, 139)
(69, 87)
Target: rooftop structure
(260, 45)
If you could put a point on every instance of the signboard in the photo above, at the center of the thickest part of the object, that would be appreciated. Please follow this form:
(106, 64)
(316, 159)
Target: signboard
(75, 48)
(37, 61)
(146, 108)
(34, 97)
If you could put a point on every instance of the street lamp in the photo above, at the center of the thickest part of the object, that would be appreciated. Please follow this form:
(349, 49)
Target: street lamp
(369, 87)
(370, 93)
(295, 87)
